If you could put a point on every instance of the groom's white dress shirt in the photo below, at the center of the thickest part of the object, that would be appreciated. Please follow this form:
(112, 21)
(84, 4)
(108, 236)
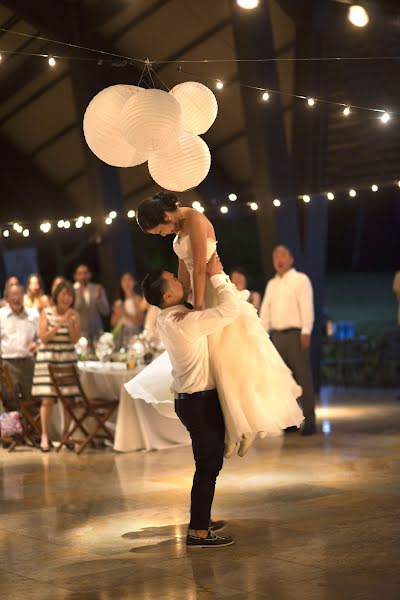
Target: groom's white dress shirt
(288, 303)
(186, 340)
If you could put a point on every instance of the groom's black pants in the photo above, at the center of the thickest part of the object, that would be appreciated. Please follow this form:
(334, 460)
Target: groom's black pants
(202, 416)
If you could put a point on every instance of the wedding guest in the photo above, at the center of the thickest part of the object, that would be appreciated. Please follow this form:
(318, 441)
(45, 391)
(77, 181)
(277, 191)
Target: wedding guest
(396, 290)
(90, 302)
(34, 294)
(58, 279)
(59, 330)
(11, 280)
(287, 312)
(18, 340)
(129, 307)
(239, 278)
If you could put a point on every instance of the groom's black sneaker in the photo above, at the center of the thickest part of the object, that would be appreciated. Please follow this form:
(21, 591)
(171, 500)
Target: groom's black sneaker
(308, 428)
(211, 541)
(216, 525)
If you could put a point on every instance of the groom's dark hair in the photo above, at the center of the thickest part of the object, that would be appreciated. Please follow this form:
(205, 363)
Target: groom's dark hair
(153, 288)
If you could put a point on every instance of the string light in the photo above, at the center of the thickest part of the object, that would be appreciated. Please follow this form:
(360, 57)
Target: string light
(306, 198)
(385, 117)
(6, 233)
(224, 209)
(67, 224)
(88, 220)
(108, 220)
(112, 214)
(374, 188)
(265, 96)
(253, 205)
(219, 85)
(60, 224)
(310, 101)
(201, 209)
(247, 4)
(276, 202)
(398, 183)
(52, 61)
(232, 197)
(78, 224)
(358, 16)
(352, 193)
(196, 205)
(330, 196)
(346, 111)
(130, 214)
(45, 227)
(25, 233)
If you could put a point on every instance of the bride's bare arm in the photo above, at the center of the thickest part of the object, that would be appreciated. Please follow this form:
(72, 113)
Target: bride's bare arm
(184, 277)
(197, 229)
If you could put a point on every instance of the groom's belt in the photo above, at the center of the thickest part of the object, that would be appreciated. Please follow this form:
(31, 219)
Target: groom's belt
(183, 396)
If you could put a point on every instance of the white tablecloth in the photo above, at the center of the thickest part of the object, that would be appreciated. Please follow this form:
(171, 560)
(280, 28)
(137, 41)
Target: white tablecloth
(138, 426)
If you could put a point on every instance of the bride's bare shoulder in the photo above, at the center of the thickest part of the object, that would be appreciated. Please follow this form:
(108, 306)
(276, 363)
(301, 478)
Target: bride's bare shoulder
(197, 220)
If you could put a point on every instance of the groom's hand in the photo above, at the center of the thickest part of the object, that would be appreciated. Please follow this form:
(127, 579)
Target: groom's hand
(214, 266)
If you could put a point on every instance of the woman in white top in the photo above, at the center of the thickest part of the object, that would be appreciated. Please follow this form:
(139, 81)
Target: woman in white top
(129, 308)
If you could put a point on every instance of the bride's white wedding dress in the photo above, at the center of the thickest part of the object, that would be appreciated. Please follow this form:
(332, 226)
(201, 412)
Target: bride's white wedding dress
(256, 389)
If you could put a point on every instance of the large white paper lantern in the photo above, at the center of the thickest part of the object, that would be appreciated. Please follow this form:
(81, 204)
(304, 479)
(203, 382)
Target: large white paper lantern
(199, 106)
(183, 166)
(102, 127)
(151, 120)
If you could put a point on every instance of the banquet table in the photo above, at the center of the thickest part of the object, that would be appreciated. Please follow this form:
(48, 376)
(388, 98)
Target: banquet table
(138, 426)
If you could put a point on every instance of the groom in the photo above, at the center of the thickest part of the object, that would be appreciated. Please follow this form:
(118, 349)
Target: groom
(184, 333)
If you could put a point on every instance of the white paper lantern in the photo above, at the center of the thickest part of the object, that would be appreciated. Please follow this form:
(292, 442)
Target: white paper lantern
(183, 166)
(151, 120)
(199, 106)
(102, 127)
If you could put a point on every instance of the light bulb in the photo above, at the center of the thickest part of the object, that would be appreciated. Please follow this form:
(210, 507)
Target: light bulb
(224, 209)
(6, 233)
(201, 209)
(131, 214)
(353, 193)
(108, 221)
(306, 198)
(346, 111)
(265, 96)
(374, 188)
(112, 214)
(88, 220)
(15, 226)
(78, 224)
(385, 117)
(60, 223)
(25, 233)
(310, 101)
(248, 4)
(398, 183)
(330, 196)
(277, 202)
(232, 197)
(358, 16)
(219, 85)
(67, 224)
(253, 205)
(52, 62)
(196, 205)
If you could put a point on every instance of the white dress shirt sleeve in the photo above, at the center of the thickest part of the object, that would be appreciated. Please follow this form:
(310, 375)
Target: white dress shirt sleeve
(265, 309)
(210, 320)
(306, 306)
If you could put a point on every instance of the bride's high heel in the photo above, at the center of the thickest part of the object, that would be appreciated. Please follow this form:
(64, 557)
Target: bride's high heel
(245, 444)
(230, 448)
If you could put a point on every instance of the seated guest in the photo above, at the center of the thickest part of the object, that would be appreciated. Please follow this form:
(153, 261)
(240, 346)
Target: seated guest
(59, 330)
(11, 280)
(34, 295)
(18, 334)
(239, 278)
(90, 302)
(129, 307)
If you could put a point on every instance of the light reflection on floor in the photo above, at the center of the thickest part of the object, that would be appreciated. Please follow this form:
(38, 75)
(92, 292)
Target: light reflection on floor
(314, 518)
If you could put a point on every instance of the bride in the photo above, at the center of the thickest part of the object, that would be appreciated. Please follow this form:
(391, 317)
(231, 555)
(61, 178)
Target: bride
(256, 389)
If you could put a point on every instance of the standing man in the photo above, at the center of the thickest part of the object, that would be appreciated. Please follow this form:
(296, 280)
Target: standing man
(18, 341)
(287, 312)
(184, 333)
(90, 302)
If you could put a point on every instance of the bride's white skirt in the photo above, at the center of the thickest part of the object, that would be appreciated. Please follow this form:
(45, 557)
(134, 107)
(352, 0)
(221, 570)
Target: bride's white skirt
(255, 387)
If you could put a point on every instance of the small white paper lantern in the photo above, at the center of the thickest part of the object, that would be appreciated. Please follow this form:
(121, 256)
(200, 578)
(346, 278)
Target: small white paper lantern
(151, 120)
(199, 106)
(183, 166)
(102, 127)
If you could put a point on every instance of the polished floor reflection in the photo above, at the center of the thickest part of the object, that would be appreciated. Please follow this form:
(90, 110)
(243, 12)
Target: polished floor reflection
(314, 518)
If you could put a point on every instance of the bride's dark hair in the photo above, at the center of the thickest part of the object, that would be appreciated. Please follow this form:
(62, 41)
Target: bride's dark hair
(151, 211)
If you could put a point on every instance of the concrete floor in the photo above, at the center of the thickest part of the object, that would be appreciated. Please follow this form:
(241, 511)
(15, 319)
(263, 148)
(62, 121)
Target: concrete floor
(313, 518)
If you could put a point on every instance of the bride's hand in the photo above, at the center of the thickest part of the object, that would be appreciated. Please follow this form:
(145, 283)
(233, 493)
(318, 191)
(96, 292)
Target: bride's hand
(179, 316)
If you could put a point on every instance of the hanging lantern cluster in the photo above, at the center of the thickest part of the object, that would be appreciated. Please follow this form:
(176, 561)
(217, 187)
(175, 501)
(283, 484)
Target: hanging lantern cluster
(126, 125)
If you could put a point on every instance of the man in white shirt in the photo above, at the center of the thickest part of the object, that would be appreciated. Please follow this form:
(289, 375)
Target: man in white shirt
(287, 312)
(184, 333)
(18, 336)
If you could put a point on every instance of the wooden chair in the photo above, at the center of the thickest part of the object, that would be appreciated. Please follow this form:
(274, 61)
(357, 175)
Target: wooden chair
(11, 396)
(81, 408)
